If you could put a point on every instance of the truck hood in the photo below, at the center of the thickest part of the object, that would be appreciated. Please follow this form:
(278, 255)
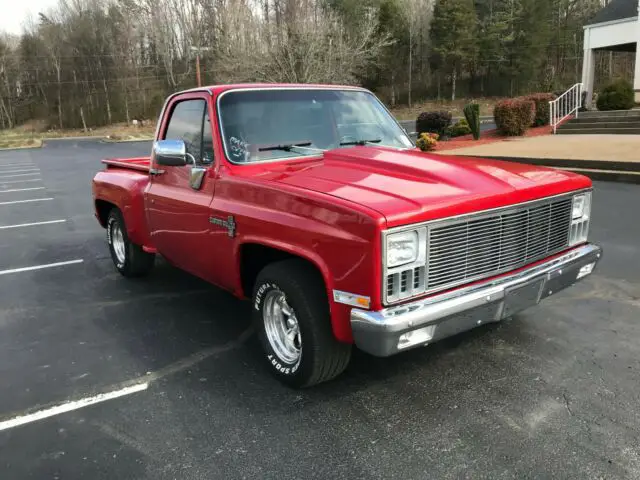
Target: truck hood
(411, 186)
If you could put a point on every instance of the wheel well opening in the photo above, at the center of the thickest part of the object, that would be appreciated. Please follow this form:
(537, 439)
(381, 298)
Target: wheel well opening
(103, 208)
(254, 257)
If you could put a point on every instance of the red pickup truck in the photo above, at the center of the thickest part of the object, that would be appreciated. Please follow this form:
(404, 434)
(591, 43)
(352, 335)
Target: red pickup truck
(313, 202)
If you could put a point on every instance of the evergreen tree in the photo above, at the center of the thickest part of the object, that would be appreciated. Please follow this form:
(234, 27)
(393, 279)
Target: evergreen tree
(453, 38)
(391, 22)
(531, 33)
(495, 37)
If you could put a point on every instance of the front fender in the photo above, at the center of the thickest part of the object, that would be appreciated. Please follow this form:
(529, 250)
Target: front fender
(340, 314)
(341, 242)
(294, 250)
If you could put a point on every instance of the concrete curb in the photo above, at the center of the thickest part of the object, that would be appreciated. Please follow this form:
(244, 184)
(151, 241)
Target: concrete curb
(128, 140)
(94, 138)
(605, 170)
(22, 147)
(76, 138)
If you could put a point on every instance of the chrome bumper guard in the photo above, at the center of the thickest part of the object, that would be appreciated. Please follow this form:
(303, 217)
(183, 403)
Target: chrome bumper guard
(398, 328)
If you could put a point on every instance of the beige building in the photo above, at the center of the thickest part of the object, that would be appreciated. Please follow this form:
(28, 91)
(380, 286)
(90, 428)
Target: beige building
(614, 28)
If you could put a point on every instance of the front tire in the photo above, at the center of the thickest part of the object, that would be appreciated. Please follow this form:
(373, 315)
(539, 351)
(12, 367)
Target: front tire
(291, 317)
(129, 259)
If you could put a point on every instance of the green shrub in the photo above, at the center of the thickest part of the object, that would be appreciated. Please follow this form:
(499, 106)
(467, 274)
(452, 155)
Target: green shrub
(472, 114)
(514, 116)
(616, 96)
(458, 129)
(427, 142)
(541, 102)
(433, 122)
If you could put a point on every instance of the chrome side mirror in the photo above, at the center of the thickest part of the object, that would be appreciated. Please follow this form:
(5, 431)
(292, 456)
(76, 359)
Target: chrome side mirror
(170, 153)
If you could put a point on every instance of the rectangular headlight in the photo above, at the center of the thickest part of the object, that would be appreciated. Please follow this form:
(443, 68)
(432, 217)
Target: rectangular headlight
(581, 206)
(580, 216)
(578, 206)
(402, 248)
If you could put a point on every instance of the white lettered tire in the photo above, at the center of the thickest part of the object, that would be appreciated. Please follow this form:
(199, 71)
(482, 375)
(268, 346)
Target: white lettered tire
(291, 317)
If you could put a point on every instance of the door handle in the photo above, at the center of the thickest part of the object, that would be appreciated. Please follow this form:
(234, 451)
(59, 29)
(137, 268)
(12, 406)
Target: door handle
(155, 171)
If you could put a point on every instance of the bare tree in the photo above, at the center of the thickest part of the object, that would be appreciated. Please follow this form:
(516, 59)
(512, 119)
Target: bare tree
(85, 63)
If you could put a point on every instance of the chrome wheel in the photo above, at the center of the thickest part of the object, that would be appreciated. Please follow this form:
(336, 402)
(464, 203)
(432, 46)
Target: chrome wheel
(281, 327)
(117, 241)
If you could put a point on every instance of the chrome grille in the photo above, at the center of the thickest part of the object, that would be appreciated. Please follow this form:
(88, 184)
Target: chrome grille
(481, 246)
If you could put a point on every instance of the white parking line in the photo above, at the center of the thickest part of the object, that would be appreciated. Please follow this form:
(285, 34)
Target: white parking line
(20, 175)
(48, 222)
(27, 201)
(40, 267)
(20, 181)
(16, 165)
(21, 171)
(70, 406)
(121, 389)
(21, 189)
(131, 386)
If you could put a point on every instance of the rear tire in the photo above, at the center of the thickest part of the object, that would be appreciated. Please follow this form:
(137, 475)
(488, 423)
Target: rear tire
(292, 319)
(129, 259)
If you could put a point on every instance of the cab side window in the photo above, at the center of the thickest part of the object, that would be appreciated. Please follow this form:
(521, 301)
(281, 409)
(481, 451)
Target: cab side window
(186, 123)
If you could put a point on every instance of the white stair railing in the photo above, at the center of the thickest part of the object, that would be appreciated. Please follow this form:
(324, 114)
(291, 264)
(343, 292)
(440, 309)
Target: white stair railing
(565, 105)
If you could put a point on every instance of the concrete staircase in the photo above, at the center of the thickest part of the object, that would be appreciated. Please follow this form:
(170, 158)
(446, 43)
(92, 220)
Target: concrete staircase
(620, 122)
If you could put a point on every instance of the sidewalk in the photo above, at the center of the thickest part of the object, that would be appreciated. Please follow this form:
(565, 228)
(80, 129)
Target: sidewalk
(614, 148)
(613, 158)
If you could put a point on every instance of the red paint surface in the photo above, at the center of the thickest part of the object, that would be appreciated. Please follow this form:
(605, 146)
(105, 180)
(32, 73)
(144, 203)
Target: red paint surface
(178, 216)
(141, 164)
(329, 209)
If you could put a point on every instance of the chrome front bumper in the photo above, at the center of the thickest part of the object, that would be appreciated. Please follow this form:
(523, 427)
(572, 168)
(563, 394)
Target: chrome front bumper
(398, 328)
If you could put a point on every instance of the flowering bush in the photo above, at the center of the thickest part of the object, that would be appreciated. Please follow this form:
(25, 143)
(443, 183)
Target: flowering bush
(541, 102)
(514, 116)
(427, 142)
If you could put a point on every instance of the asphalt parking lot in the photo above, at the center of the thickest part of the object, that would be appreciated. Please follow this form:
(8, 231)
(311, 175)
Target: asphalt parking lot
(551, 394)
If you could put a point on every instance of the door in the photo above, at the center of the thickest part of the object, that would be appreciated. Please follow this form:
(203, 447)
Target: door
(177, 204)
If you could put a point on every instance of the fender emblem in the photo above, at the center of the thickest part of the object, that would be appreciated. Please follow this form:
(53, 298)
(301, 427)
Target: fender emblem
(229, 224)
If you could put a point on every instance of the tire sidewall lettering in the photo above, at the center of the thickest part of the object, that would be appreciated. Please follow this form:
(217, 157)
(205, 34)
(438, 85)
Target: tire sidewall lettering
(283, 368)
(109, 228)
(280, 366)
(257, 304)
(112, 221)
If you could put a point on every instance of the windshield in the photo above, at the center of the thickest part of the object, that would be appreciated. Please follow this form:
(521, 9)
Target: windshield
(273, 124)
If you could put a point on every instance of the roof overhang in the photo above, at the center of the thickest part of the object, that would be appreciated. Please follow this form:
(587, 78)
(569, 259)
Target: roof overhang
(615, 10)
(614, 33)
(611, 22)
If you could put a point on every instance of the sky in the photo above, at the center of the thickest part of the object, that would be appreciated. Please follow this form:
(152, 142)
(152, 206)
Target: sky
(15, 12)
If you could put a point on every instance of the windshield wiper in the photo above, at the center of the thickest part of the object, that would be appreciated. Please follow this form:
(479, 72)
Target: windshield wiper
(361, 143)
(287, 147)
